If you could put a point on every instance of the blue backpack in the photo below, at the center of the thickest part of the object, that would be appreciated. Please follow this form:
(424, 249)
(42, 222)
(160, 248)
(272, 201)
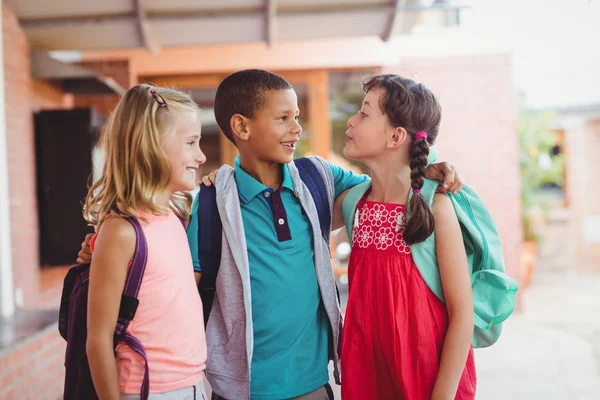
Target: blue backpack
(494, 292)
(210, 227)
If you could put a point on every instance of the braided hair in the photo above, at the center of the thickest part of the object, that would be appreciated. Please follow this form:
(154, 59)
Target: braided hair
(412, 106)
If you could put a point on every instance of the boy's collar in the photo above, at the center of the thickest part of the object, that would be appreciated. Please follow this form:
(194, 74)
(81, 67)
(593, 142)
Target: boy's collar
(248, 187)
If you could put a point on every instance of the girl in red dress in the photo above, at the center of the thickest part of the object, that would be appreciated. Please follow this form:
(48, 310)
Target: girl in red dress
(400, 341)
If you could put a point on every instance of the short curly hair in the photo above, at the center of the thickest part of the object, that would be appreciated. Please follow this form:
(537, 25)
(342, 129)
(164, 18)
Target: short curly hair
(243, 93)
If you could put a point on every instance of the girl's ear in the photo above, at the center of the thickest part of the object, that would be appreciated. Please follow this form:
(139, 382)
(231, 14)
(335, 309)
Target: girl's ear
(397, 138)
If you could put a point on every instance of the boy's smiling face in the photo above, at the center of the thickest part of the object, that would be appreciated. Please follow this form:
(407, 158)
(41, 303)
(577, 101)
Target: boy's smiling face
(273, 132)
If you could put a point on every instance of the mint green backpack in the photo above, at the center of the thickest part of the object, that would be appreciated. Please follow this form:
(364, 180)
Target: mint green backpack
(494, 292)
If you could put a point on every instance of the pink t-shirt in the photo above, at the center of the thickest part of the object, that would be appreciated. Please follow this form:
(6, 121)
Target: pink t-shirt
(169, 321)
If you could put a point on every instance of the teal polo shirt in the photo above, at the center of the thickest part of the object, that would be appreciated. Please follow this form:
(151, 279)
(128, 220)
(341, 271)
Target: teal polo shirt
(292, 334)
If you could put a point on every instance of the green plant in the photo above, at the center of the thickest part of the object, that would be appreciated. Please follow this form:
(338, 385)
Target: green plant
(539, 167)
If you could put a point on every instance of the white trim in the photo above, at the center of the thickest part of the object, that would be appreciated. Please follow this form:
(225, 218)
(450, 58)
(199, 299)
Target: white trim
(7, 303)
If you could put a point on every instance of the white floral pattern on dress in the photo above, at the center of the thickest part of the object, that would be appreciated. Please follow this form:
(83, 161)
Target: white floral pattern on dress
(378, 227)
(384, 238)
(363, 236)
(378, 214)
(400, 243)
(393, 215)
(364, 213)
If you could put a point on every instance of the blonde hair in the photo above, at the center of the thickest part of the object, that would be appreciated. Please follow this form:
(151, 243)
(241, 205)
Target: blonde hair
(134, 171)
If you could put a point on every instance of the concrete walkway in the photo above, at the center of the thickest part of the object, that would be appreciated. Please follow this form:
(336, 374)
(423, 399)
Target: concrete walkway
(551, 351)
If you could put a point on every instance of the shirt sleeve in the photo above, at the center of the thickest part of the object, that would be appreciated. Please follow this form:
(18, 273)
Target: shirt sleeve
(192, 235)
(344, 179)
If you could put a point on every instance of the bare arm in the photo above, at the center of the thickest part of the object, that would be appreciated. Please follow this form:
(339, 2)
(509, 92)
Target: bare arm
(114, 249)
(456, 283)
(197, 276)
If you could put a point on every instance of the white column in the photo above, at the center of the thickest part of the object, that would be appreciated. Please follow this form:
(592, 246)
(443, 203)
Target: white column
(7, 303)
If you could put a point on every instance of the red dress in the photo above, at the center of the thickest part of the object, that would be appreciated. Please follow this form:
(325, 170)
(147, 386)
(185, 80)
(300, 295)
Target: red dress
(395, 326)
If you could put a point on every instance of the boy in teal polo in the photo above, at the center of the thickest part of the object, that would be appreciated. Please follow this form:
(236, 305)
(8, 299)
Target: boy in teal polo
(291, 323)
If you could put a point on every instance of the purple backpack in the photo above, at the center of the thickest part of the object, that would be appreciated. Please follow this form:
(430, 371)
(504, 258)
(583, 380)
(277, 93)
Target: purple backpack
(72, 321)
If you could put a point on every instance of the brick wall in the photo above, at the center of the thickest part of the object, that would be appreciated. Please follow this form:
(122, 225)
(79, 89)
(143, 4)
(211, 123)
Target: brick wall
(582, 144)
(21, 156)
(478, 132)
(34, 370)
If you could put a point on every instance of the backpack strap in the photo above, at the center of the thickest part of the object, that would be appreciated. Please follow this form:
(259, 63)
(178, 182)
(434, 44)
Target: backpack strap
(130, 302)
(314, 181)
(424, 253)
(137, 346)
(209, 245)
(350, 204)
(179, 211)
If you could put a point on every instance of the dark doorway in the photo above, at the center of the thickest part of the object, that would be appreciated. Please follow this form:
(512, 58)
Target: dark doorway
(64, 142)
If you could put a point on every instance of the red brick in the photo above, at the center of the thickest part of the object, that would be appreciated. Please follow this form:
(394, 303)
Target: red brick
(36, 370)
(21, 160)
(582, 143)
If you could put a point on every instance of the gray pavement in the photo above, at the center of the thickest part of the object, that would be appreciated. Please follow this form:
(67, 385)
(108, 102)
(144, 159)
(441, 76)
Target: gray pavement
(551, 350)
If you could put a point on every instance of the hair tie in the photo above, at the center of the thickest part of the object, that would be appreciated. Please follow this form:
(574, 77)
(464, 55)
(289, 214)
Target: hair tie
(420, 135)
(416, 191)
(159, 99)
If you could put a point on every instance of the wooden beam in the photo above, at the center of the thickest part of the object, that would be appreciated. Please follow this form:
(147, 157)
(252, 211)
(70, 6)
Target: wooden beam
(212, 80)
(398, 7)
(270, 22)
(297, 77)
(198, 13)
(300, 9)
(49, 96)
(199, 81)
(217, 59)
(31, 23)
(143, 28)
(318, 114)
(208, 81)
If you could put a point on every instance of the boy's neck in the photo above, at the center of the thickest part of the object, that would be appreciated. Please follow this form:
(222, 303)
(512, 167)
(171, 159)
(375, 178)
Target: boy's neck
(390, 185)
(268, 173)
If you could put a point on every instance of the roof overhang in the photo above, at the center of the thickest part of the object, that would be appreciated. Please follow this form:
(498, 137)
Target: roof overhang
(72, 78)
